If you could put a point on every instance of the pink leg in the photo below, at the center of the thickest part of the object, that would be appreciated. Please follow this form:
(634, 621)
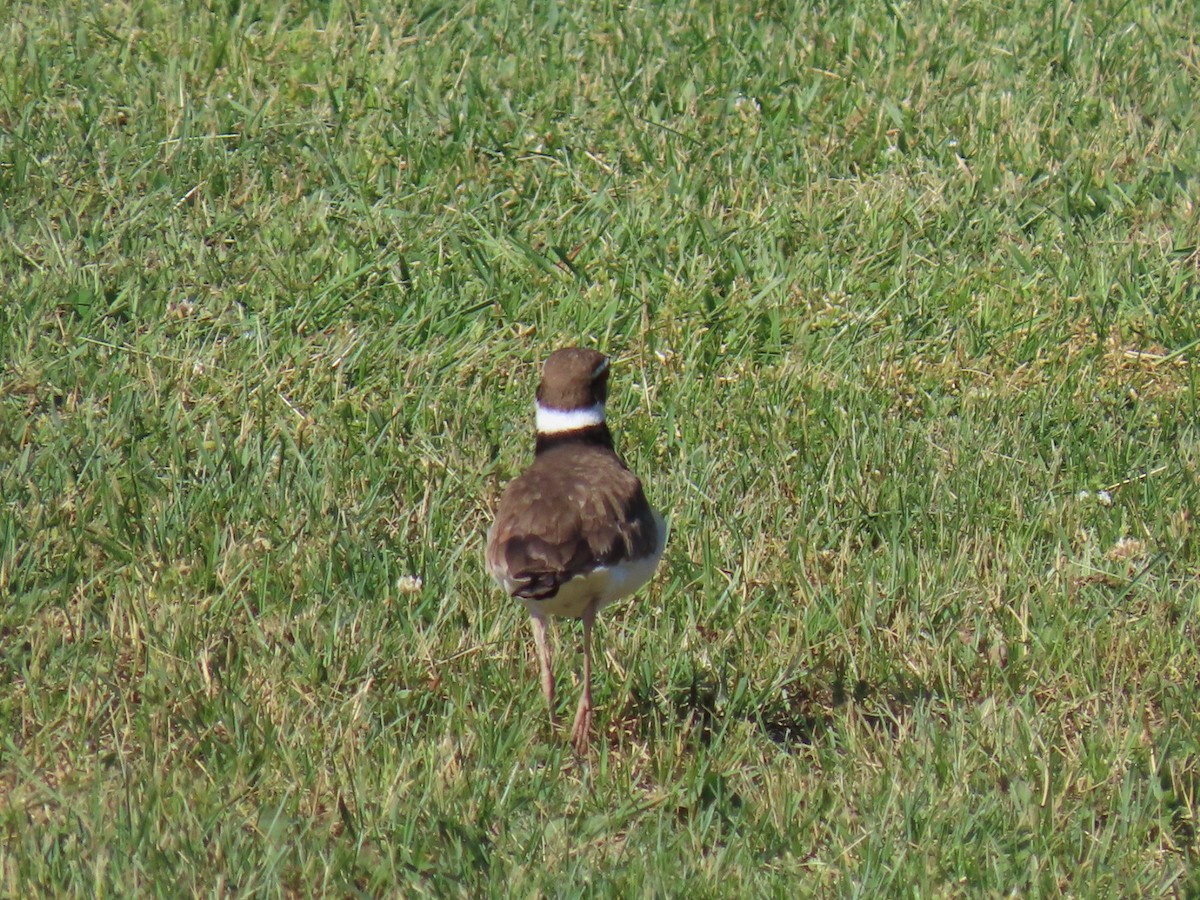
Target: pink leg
(583, 715)
(543, 653)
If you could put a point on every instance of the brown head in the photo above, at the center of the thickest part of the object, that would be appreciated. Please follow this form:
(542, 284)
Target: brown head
(573, 378)
(571, 396)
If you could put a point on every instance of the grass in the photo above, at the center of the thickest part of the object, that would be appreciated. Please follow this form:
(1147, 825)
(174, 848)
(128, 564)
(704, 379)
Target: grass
(903, 305)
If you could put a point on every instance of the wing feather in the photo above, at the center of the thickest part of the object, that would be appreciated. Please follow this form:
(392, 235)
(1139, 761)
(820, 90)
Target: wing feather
(568, 514)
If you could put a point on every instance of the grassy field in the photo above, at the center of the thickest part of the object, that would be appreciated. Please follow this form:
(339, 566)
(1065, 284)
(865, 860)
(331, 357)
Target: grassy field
(903, 305)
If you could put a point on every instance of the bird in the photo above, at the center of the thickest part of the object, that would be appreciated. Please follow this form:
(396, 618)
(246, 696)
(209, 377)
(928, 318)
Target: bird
(574, 532)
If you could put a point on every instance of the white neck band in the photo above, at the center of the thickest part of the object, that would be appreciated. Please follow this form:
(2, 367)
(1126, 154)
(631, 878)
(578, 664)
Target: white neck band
(555, 421)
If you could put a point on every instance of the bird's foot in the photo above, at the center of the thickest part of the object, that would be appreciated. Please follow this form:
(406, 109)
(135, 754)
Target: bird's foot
(581, 731)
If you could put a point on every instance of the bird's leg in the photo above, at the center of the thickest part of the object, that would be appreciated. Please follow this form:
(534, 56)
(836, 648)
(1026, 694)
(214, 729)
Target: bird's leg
(583, 715)
(542, 644)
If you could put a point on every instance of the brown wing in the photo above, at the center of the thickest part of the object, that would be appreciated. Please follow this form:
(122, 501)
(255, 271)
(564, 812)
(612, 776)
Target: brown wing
(572, 511)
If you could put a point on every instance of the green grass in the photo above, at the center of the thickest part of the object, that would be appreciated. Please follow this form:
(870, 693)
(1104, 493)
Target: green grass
(903, 305)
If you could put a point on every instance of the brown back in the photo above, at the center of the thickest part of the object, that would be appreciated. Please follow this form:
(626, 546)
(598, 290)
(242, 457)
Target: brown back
(575, 509)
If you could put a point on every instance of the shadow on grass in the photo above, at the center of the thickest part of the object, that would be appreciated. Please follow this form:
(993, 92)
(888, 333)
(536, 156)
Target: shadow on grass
(792, 718)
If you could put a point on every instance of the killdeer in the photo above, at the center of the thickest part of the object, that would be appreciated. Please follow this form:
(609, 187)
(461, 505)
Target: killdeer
(574, 532)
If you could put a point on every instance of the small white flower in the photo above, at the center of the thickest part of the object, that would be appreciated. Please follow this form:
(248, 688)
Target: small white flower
(1104, 497)
(409, 584)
